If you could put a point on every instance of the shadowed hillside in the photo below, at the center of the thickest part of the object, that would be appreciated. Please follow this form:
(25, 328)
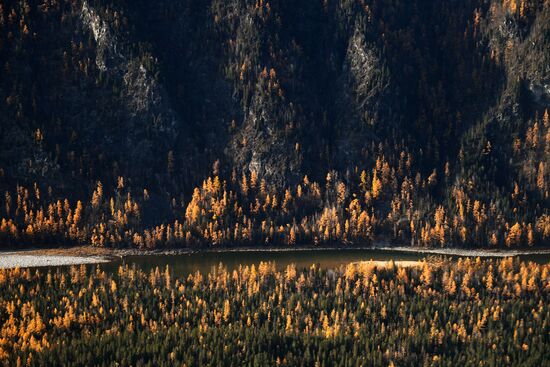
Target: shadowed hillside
(280, 122)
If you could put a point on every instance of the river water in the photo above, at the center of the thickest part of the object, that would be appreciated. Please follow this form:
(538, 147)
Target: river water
(185, 264)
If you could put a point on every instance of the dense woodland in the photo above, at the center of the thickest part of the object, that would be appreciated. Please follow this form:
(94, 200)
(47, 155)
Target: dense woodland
(466, 312)
(246, 211)
(232, 122)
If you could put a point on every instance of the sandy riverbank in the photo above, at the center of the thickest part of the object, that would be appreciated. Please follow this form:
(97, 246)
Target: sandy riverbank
(13, 260)
(380, 247)
(465, 252)
(122, 252)
(386, 264)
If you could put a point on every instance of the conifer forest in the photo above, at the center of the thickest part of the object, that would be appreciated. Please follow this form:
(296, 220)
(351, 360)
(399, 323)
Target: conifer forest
(469, 312)
(413, 132)
(201, 123)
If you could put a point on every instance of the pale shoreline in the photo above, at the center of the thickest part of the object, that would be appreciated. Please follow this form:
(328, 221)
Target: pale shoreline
(91, 255)
(15, 260)
(387, 264)
(379, 247)
(466, 252)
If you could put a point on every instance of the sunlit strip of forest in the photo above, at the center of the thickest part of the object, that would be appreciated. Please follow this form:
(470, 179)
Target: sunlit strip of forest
(441, 313)
(390, 199)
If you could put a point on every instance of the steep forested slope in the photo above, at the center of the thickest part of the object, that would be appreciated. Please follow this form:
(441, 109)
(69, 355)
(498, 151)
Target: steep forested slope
(315, 121)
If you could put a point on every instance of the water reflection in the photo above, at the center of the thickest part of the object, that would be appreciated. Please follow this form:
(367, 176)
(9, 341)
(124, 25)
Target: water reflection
(182, 265)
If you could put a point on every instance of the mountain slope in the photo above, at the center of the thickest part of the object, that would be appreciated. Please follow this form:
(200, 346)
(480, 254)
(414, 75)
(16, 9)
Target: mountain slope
(441, 104)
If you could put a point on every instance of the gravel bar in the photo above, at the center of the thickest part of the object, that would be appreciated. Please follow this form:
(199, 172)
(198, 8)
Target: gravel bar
(8, 261)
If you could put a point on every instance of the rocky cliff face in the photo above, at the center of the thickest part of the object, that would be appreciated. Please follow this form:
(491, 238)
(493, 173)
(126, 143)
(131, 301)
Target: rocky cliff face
(159, 92)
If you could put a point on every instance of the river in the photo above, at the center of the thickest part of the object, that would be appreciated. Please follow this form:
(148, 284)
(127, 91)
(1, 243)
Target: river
(184, 264)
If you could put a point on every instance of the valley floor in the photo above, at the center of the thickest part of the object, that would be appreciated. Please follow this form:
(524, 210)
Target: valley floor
(93, 255)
